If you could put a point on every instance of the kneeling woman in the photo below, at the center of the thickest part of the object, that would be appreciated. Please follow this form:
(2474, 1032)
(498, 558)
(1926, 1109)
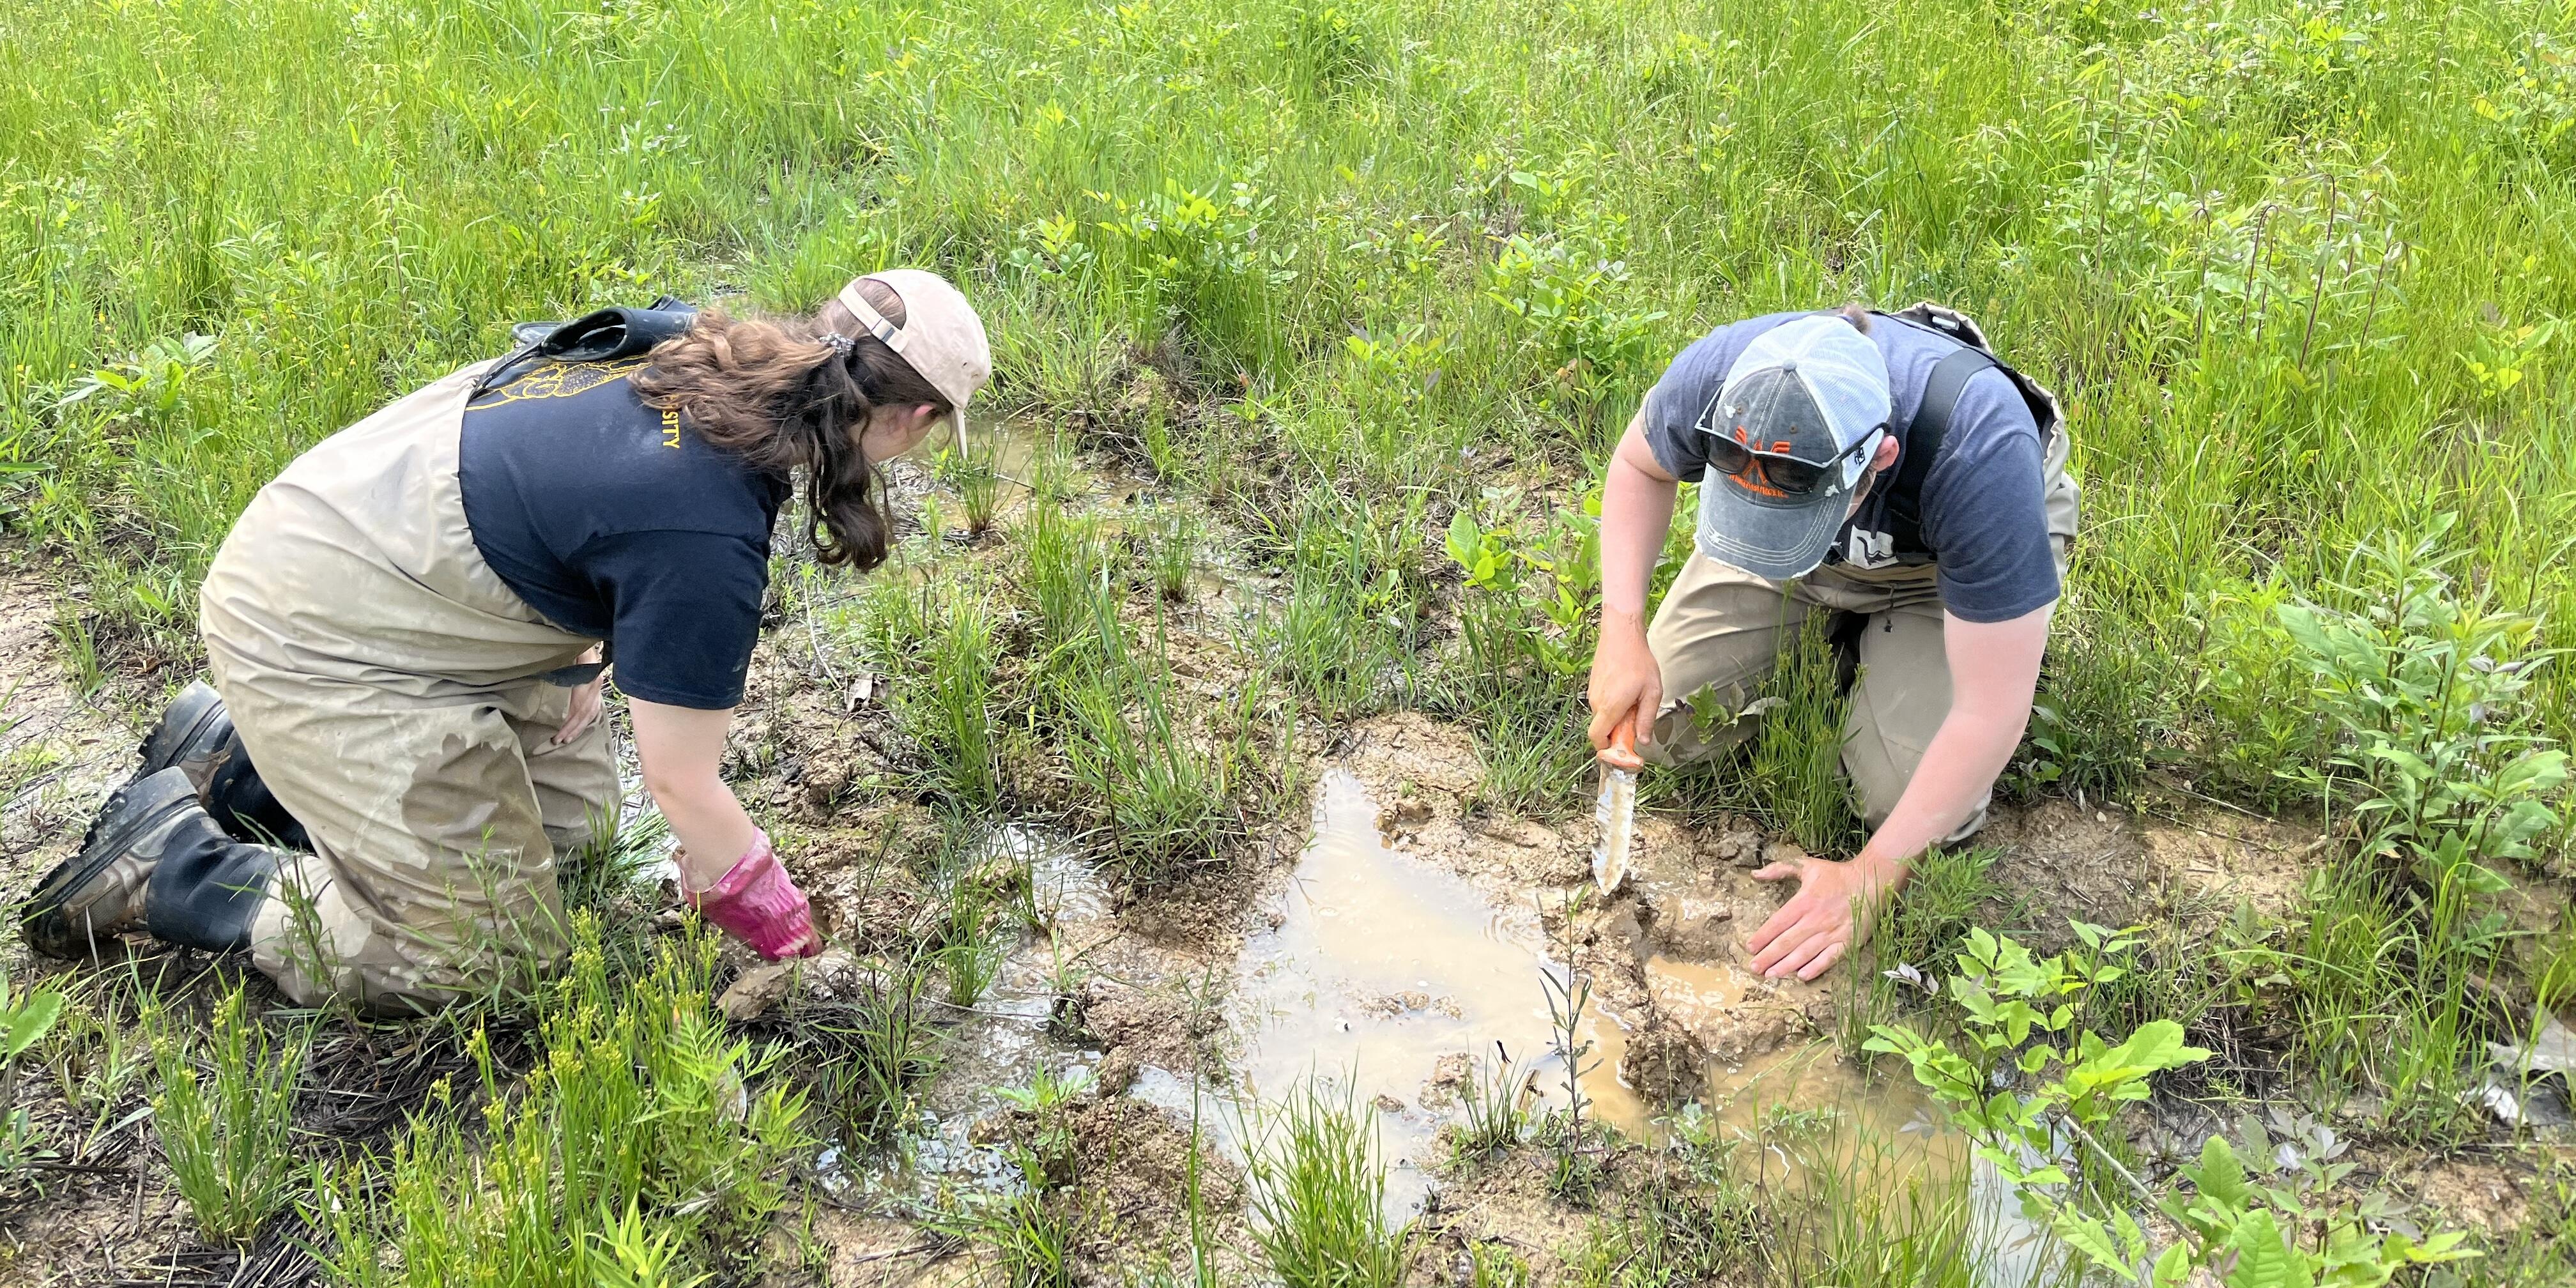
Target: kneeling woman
(404, 632)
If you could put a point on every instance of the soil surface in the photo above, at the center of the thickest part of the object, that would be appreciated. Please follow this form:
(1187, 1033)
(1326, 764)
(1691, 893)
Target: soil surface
(1383, 938)
(110, 1214)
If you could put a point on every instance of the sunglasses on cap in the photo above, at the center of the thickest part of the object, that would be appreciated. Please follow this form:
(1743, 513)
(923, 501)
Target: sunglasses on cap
(1793, 475)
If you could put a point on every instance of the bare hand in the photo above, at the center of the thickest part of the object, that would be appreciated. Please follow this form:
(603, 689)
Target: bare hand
(1625, 678)
(583, 713)
(586, 707)
(1835, 907)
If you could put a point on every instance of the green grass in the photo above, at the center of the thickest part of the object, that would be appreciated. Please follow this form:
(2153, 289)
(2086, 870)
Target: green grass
(1318, 1196)
(948, 706)
(1348, 628)
(1373, 287)
(2234, 233)
(225, 1112)
(873, 1053)
(1796, 766)
(1495, 1110)
(99, 1058)
(646, 1138)
(1670, 1236)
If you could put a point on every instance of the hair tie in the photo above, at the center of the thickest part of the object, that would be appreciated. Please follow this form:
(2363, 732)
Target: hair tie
(838, 343)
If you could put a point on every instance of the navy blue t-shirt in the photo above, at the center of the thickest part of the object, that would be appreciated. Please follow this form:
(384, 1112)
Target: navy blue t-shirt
(1984, 505)
(613, 520)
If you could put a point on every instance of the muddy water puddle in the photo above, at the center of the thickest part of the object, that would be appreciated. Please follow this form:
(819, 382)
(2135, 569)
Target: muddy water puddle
(1380, 967)
(1385, 975)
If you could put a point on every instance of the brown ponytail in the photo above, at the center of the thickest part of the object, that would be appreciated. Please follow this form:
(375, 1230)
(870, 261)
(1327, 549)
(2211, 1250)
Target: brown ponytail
(775, 393)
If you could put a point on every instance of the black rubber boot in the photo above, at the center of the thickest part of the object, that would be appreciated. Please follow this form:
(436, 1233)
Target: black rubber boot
(206, 886)
(98, 894)
(196, 734)
(240, 803)
(194, 727)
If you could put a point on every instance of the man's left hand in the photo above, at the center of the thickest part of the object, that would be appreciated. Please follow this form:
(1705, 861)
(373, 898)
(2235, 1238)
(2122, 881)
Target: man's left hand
(1836, 904)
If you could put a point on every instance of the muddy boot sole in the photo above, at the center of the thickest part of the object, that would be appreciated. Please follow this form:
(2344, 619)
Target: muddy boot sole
(96, 895)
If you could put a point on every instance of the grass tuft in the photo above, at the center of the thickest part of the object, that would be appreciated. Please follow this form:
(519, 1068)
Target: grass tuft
(1319, 1197)
(225, 1111)
(646, 1143)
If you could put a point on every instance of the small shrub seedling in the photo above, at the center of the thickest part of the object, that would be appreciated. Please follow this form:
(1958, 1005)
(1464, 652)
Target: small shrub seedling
(2034, 1083)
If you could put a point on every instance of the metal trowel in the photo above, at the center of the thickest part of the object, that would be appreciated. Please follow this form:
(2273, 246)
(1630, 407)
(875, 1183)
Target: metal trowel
(1616, 809)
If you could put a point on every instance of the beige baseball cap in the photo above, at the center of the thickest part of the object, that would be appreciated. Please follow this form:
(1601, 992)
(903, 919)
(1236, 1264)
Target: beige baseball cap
(941, 336)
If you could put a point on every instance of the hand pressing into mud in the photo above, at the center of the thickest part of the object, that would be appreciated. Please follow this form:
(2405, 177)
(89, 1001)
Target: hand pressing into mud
(1836, 906)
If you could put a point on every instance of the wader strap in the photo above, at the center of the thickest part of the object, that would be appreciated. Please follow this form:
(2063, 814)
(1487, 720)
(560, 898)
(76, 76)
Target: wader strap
(604, 336)
(1923, 441)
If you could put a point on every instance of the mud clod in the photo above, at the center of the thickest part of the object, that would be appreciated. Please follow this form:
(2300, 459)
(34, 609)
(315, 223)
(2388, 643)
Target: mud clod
(1451, 1077)
(1740, 845)
(1117, 1072)
(1135, 1161)
(1145, 1026)
(1778, 852)
(1403, 817)
(756, 990)
(1664, 1065)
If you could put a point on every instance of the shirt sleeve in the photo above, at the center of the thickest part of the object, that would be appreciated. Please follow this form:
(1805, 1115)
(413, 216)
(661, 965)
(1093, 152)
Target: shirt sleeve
(685, 608)
(1985, 508)
(1669, 414)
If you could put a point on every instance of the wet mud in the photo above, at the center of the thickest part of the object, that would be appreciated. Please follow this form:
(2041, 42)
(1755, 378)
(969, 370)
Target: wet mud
(1384, 936)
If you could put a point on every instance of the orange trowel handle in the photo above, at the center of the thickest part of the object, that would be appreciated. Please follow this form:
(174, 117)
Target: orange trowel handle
(1622, 751)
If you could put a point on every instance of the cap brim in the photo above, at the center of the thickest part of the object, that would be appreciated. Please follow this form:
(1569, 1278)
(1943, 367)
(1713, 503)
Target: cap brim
(1770, 541)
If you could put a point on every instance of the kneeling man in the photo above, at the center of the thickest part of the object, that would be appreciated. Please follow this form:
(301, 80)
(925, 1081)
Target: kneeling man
(1885, 470)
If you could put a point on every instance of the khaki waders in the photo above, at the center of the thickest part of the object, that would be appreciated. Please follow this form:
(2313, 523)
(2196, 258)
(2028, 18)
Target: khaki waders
(386, 684)
(1721, 628)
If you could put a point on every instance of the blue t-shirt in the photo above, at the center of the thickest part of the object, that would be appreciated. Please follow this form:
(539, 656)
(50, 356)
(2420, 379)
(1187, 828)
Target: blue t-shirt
(614, 521)
(1983, 507)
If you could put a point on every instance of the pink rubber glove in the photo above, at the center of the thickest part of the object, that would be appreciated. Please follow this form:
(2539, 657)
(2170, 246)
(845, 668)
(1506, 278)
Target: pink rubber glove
(759, 904)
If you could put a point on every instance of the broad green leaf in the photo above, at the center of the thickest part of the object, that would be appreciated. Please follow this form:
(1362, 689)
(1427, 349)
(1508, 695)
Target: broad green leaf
(2264, 1259)
(2219, 1176)
(2087, 1235)
(1464, 539)
(2440, 1247)
(2133, 1241)
(29, 1023)
(2156, 1046)
(1892, 1039)
(2534, 773)
(2172, 1267)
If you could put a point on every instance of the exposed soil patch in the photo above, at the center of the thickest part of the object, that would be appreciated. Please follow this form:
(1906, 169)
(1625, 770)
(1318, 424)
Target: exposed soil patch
(61, 750)
(60, 753)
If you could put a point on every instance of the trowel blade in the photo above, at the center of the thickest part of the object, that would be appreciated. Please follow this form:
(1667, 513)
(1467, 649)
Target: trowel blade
(1616, 812)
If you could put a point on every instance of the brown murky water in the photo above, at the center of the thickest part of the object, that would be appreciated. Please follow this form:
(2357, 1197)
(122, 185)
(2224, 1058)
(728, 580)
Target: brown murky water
(1379, 967)
(1382, 964)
